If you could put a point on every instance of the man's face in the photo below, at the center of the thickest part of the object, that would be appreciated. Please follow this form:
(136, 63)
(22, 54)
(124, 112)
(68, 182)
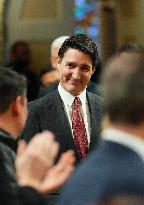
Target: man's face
(75, 70)
(19, 112)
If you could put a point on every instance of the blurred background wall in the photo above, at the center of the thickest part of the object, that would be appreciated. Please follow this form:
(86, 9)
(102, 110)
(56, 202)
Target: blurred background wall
(40, 21)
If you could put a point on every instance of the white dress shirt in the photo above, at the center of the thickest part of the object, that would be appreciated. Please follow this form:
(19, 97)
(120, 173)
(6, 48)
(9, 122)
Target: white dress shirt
(68, 99)
(133, 142)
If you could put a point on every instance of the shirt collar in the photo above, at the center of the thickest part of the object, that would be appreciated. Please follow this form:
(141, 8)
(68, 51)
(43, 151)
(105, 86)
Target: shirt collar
(69, 98)
(133, 142)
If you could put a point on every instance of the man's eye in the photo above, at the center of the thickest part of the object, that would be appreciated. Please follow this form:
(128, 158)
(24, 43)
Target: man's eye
(85, 68)
(70, 66)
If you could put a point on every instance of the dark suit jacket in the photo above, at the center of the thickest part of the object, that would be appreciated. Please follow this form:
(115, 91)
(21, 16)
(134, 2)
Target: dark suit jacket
(109, 171)
(47, 113)
(10, 192)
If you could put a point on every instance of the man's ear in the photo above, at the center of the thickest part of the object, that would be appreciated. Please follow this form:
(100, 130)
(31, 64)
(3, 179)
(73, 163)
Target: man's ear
(93, 71)
(58, 63)
(17, 104)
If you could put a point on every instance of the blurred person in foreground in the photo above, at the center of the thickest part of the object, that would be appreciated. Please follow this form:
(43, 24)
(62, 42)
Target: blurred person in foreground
(20, 59)
(34, 174)
(125, 49)
(70, 112)
(117, 166)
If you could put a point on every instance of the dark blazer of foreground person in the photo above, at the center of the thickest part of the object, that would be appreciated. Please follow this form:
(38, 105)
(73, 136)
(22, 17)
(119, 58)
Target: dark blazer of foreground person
(10, 192)
(112, 169)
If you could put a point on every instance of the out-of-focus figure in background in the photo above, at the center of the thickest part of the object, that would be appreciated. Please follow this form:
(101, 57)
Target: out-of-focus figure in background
(20, 59)
(49, 80)
(49, 76)
(54, 49)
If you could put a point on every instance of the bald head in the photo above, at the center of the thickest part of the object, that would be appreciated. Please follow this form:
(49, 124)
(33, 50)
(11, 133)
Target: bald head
(122, 87)
(55, 46)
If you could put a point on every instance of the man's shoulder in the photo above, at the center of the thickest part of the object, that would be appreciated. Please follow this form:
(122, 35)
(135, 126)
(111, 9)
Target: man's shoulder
(110, 157)
(113, 159)
(95, 99)
(105, 173)
(7, 154)
(51, 98)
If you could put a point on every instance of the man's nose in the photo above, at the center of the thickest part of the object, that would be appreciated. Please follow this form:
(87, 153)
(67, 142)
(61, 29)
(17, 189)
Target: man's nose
(76, 74)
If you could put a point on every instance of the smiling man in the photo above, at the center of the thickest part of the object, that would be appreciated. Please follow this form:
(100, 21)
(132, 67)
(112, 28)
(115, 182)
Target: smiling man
(70, 112)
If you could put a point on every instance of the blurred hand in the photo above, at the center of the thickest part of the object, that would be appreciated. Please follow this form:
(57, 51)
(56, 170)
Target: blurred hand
(34, 160)
(59, 173)
(34, 163)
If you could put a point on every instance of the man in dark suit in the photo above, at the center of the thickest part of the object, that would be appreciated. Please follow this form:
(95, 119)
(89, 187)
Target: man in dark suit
(77, 61)
(117, 166)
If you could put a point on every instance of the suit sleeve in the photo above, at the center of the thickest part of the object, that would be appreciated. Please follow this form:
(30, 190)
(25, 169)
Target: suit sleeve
(10, 192)
(32, 125)
(20, 196)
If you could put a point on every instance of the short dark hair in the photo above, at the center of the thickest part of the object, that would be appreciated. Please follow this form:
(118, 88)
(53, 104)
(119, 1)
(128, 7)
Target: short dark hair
(12, 85)
(82, 43)
(122, 88)
(131, 48)
(16, 44)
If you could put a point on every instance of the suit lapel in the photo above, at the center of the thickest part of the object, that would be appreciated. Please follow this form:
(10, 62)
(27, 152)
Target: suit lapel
(63, 122)
(95, 117)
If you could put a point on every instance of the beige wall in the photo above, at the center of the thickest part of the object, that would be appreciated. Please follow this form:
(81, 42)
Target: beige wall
(124, 24)
(39, 22)
(40, 54)
(108, 28)
(130, 25)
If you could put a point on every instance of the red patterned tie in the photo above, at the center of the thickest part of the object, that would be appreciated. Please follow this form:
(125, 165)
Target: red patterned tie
(79, 130)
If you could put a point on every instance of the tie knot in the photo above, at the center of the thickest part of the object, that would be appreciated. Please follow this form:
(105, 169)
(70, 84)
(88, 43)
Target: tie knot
(77, 101)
